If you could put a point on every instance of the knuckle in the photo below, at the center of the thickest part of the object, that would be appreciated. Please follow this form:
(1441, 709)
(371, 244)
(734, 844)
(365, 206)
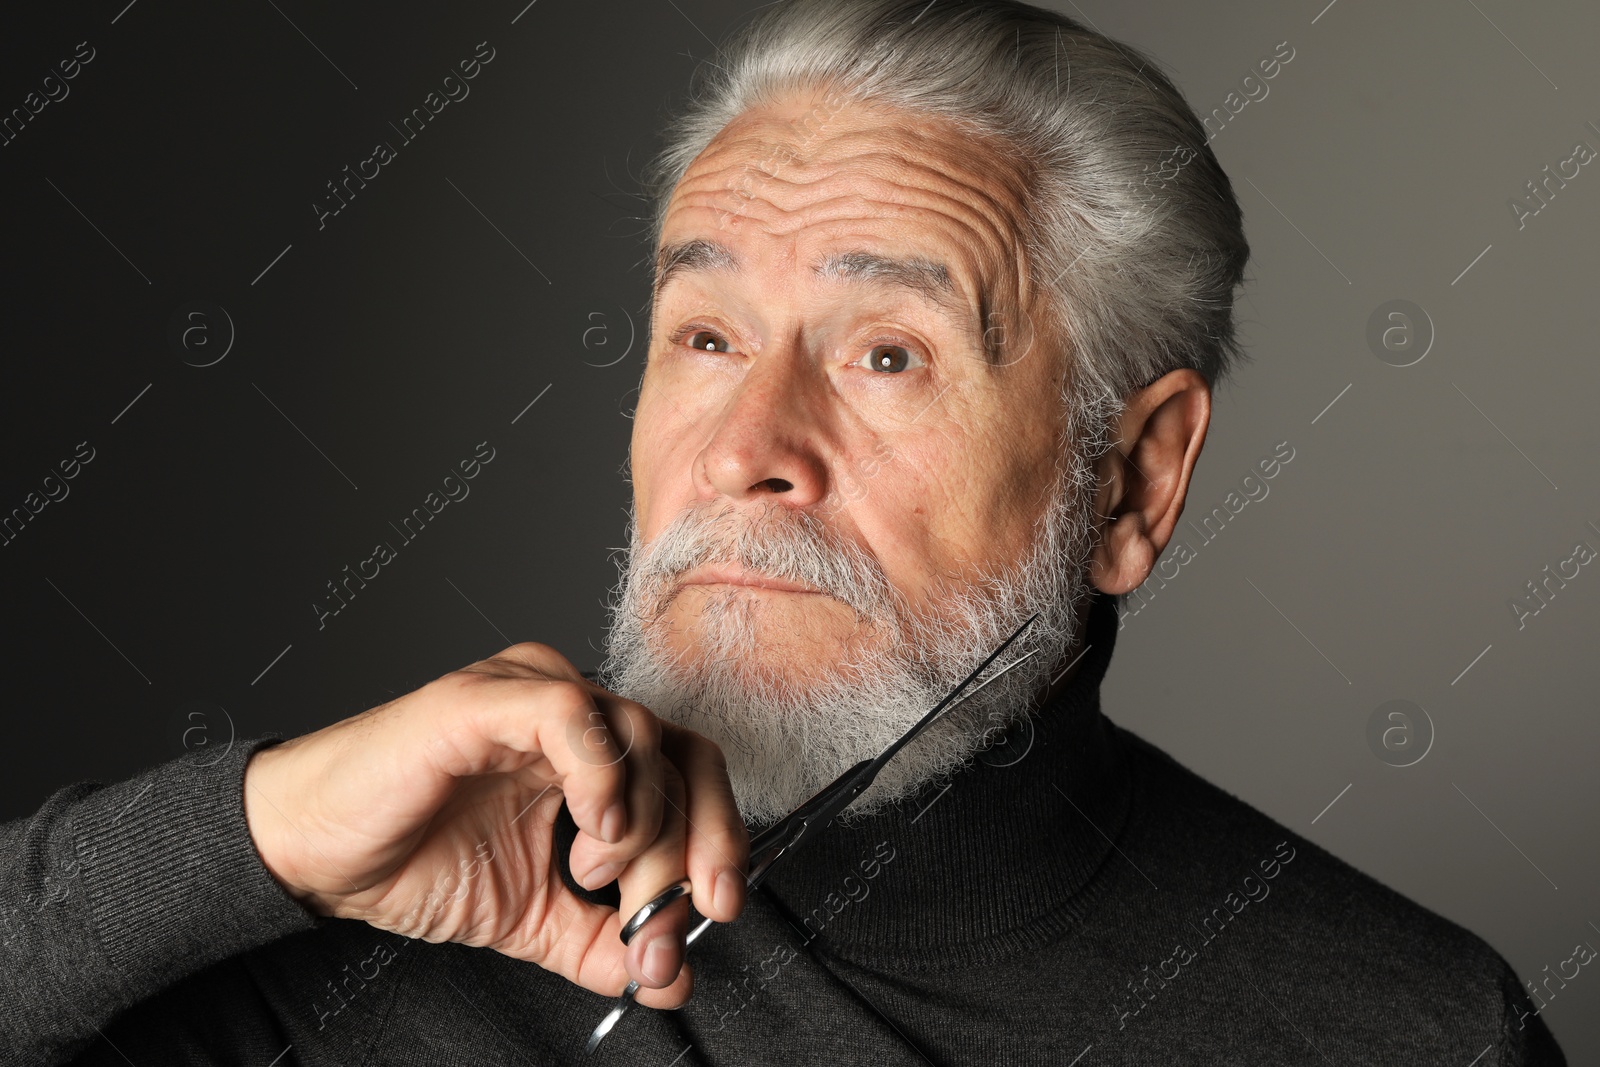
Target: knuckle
(525, 658)
(461, 681)
(538, 657)
(566, 698)
(588, 734)
(646, 728)
(526, 651)
(521, 660)
(674, 787)
(711, 755)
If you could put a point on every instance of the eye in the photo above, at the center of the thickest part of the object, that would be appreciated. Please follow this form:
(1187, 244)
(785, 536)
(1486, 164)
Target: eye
(889, 359)
(705, 341)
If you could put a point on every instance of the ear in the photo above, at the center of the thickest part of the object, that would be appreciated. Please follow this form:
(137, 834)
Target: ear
(1144, 478)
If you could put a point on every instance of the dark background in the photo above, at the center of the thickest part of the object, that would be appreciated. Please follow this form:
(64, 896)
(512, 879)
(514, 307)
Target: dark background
(498, 262)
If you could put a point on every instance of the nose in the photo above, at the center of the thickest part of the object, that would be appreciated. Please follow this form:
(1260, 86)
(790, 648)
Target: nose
(765, 444)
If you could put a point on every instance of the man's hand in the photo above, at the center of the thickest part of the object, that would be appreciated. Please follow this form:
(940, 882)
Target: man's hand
(431, 816)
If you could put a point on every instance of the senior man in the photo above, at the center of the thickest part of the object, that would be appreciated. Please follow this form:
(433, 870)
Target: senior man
(935, 322)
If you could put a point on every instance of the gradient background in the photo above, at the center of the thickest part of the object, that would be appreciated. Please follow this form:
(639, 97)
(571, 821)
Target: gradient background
(499, 263)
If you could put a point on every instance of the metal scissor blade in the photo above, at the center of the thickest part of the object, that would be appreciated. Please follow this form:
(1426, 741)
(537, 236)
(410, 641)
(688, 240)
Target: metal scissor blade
(614, 1016)
(787, 834)
(955, 694)
(820, 810)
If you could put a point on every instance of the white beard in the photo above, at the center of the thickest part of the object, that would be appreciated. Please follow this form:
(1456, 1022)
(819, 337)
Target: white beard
(787, 733)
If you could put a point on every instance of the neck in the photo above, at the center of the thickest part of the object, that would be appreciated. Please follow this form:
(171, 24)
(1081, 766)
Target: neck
(990, 862)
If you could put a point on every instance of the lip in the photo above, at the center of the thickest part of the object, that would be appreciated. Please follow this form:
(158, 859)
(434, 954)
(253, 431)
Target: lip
(750, 579)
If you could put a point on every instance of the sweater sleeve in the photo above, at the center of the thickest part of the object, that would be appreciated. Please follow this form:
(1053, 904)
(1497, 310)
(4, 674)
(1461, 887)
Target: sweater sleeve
(109, 894)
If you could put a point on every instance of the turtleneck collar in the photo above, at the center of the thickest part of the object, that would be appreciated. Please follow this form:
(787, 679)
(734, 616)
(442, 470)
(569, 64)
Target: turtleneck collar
(990, 863)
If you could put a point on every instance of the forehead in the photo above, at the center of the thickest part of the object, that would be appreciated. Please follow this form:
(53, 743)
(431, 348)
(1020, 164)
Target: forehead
(807, 176)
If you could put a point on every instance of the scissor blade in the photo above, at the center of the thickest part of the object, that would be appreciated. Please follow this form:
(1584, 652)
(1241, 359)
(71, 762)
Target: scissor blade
(954, 695)
(815, 814)
(618, 1010)
(832, 799)
(820, 810)
(1019, 661)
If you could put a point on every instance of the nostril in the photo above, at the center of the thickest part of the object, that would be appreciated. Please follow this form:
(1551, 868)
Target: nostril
(777, 485)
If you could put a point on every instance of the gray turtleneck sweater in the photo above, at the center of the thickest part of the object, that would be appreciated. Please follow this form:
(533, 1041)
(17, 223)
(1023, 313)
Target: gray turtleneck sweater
(1073, 898)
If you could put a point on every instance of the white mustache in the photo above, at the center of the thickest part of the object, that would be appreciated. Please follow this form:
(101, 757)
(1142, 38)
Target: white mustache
(781, 543)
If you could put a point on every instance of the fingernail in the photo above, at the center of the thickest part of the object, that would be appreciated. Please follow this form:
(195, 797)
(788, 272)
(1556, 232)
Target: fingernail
(604, 874)
(658, 962)
(727, 890)
(613, 823)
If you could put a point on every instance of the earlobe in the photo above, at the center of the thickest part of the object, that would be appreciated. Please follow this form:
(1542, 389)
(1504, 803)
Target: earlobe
(1123, 556)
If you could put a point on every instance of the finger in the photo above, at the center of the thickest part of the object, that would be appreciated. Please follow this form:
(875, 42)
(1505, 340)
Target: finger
(593, 861)
(503, 727)
(661, 958)
(655, 953)
(676, 994)
(595, 959)
(718, 843)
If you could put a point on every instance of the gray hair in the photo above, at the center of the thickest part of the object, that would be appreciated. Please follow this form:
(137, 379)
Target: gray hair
(1138, 253)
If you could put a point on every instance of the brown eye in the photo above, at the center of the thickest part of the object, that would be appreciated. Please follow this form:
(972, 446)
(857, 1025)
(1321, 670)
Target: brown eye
(891, 359)
(706, 341)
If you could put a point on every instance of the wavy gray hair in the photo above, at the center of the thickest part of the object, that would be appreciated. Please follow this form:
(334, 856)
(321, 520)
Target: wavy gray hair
(1132, 220)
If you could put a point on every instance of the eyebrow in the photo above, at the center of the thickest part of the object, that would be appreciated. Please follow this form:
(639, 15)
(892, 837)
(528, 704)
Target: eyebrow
(696, 256)
(926, 278)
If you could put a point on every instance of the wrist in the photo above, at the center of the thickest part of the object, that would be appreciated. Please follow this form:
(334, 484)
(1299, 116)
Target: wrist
(271, 830)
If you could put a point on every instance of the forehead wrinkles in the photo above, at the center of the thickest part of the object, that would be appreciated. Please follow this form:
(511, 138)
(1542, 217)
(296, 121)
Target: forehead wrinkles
(746, 177)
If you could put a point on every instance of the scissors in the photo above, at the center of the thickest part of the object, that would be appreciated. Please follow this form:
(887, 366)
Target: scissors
(789, 833)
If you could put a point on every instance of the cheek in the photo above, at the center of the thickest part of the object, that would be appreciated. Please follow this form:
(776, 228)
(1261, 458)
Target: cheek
(659, 469)
(909, 512)
(679, 401)
(981, 507)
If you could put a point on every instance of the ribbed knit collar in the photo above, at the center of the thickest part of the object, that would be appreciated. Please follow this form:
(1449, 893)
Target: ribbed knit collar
(996, 863)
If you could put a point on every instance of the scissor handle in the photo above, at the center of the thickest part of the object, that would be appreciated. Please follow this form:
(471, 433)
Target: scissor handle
(644, 914)
(765, 848)
(764, 852)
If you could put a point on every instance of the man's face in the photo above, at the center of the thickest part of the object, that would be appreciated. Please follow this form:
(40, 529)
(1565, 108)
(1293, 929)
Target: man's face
(849, 473)
(845, 328)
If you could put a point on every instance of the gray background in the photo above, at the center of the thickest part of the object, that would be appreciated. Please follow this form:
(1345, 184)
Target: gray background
(498, 263)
